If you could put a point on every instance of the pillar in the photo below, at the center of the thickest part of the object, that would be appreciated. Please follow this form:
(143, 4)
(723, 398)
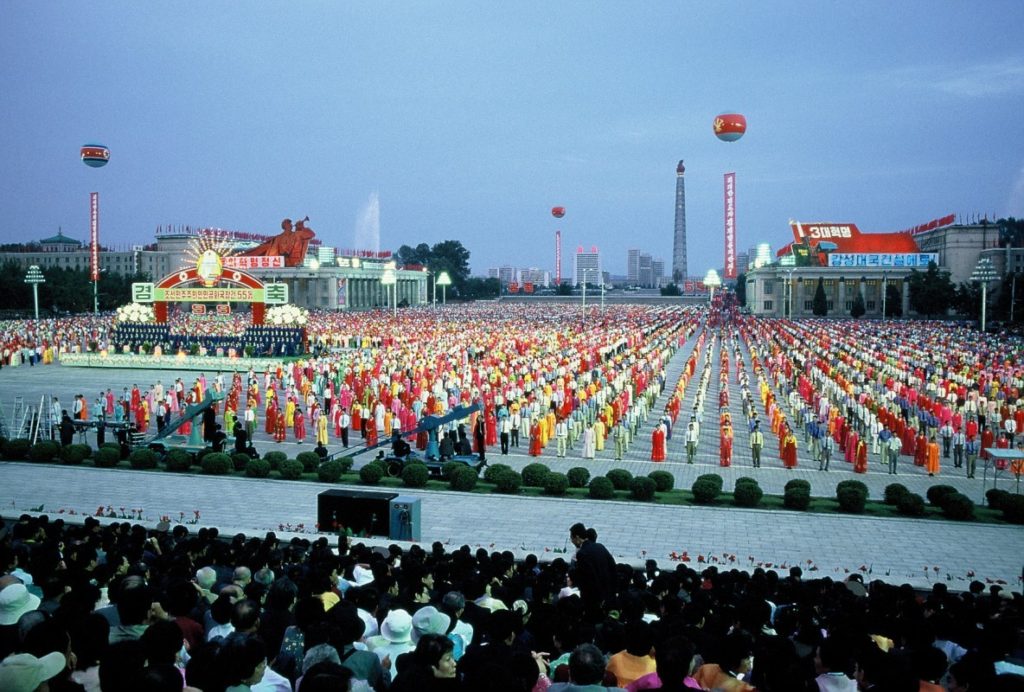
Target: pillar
(905, 297)
(841, 307)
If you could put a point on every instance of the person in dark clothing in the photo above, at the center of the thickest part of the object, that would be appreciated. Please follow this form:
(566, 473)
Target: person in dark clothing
(595, 572)
(67, 429)
(209, 424)
(241, 438)
(218, 438)
(480, 436)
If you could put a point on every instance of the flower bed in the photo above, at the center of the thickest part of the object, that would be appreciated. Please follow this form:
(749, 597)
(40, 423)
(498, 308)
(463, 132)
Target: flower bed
(167, 362)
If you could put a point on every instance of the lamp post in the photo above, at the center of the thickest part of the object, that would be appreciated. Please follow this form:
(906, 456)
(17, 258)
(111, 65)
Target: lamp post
(984, 272)
(444, 281)
(35, 277)
(388, 278)
(885, 290)
(712, 281)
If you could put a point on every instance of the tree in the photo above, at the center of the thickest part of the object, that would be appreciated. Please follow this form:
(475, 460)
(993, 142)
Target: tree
(1011, 232)
(671, 290)
(893, 301)
(414, 255)
(967, 300)
(741, 289)
(820, 305)
(858, 309)
(452, 257)
(477, 288)
(563, 289)
(931, 292)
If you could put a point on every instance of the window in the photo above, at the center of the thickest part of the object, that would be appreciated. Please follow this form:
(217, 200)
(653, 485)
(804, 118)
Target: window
(768, 305)
(769, 288)
(808, 305)
(830, 306)
(849, 305)
(871, 305)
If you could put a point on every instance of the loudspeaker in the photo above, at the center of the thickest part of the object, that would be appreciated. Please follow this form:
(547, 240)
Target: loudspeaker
(405, 519)
(365, 513)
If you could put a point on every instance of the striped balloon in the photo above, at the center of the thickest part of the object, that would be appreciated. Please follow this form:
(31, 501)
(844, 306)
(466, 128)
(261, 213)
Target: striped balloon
(730, 126)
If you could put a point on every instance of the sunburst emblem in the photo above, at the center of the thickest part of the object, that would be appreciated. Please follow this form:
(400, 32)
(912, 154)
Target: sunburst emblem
(206, 252)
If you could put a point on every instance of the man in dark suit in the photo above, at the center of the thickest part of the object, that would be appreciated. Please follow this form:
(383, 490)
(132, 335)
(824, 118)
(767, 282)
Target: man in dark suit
(595, 571)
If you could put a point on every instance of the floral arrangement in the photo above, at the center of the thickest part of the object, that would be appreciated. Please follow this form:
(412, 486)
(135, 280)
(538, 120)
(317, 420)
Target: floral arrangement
(287, 316)
(136, 313)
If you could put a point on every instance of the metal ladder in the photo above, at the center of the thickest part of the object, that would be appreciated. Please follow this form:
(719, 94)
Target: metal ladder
(16, 422)
(45, 423)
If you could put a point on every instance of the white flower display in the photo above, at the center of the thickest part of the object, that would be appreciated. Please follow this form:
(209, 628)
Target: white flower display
(287, 316)
(136, 313)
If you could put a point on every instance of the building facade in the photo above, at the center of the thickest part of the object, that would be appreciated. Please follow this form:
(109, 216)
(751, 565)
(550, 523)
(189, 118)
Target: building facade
(587, 265)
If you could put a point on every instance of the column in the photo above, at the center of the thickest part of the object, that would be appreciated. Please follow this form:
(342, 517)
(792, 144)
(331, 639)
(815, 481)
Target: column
(841, 307)
(905, 297)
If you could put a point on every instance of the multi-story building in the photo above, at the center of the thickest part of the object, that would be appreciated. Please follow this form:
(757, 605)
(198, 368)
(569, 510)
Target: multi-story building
(587, 266)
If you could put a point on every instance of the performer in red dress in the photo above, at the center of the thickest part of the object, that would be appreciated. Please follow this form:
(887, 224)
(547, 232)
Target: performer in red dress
(280, 427)
(725, 444)
(658, 443)
(300, 426)
(789, 450)
(271, 420)
(535, 446)
(860, 464)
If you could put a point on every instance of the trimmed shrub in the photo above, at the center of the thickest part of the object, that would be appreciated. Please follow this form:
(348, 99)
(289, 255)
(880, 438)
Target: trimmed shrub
(711, 478)
(142, 459)
(450, 467)
(275, 459)
(556, 483)
(217, 464)
(117, 448)
(1013, 509)
(76, 454)
(177, 460)
(996, 497)
(958, 506)
(492, 472)
(508, 482)
(894, 492)
(663, 480)
(239, 461)
(257, 468)
(643, 488)
(345, 463)
(329, 472)
(798, 483)
(309, 461)
(746, 479)
(415, 475)
(290, 469)
(620, 478)
(371, 473)
(463, 478)
(46, 450)
(534, 475)
(201, 454)
(858, 485)
(937, 494)
(911, 505)
(797, 497)
(578, 477)
(16, 450)
(705, 490)
(601, 488)
(851, 499)
(107, 458)
(747, 493)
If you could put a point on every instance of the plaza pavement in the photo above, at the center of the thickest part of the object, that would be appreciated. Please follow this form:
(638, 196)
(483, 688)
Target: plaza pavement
(897, 550)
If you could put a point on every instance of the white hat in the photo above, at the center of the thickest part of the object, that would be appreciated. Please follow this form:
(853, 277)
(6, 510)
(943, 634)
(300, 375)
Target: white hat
(25, 672)
(15, 601)
(429, 620)
(397, 627)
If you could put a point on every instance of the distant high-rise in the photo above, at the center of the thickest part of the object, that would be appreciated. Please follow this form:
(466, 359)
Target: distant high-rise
(679, 238)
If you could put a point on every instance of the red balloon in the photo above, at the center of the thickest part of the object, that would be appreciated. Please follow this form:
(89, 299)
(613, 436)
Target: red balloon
(730, 126)
(558, 212)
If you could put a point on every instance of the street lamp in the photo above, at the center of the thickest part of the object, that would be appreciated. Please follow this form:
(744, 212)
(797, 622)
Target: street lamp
(984, 272)
(35, 277)
(885, 290)
(388, 278)
(712, 281)
(444, 281)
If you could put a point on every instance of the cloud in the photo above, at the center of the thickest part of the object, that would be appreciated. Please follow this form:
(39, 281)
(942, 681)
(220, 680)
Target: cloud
(973, 81)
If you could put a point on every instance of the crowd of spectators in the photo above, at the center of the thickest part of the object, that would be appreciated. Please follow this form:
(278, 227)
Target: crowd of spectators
(116, 606)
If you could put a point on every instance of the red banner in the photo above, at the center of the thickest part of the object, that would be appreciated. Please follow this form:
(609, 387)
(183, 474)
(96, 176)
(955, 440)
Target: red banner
(265, 262)
(513, 287)
(94, 236)
(730, 226)
(528, 287)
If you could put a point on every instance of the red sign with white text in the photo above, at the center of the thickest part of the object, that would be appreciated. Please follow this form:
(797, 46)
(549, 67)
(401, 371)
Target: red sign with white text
(730, 226)
(242, 262)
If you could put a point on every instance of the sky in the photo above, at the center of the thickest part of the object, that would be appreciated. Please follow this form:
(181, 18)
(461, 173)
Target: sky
(470, 120)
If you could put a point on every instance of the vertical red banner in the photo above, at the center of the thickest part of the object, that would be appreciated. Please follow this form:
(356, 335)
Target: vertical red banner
(94, 236)
(730, 226)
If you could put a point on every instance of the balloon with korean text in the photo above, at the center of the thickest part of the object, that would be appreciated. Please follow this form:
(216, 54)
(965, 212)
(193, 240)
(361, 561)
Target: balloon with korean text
(95, 155)
(729, 127)
(558, 212)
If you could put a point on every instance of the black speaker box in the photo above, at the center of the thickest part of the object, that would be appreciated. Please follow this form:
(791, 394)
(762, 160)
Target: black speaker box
(365, 513)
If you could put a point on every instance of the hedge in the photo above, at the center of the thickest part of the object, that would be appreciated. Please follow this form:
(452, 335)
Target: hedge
(643, 488)
(508, 482)
(462, 478)
(937, 494)
(747, 493)
(290, 469)
(851, 499)
(711, 478)
(44, 451)
(958, 506)
(556, 483)
(601, 488)
(1013, 509)
(107, 458)
(142, 459)
(620, 478)
(275, 459)
(492, 472)
(415, 475)
(705, 490)
(309, 461)
(448, 468)
(76, 454)
(858, 485)
(894, 492)
(798, 483)
(257, 468)
(239, 460)
(329, 471)
(797, 497)
(911, 505)
(217, 464)
(578, 477)
(17, 449)
(996, 497)
(177, 460)
(663, 480)
(746, 479)
(534, 475)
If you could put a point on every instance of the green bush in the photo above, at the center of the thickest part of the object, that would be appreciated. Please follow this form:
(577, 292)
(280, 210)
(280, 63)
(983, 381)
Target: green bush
(851, 499)
(711, 478)
(240, 460)
(937, 494)
(415, 475)
(911, 505)
(177, 460)
(371, 473)
(556, 483)
(620, 478)
(705, 490)
(746, 479)
(257, 468)
(492, 472)
(1013, 509)
(643, 488)
(217, 464)
(76, 454)
(663, 480)
(601, 488)
(107, 458)
(894, 492)
(346, 463)
(798, 483)
(16, 450)
(290, 469)
(747, 493)
(46, 450)
(201, 454)
(463, 478)
(534, 475)
(857, 485)
(329, 471)
(275, 459)
(142, 459)
(995, 497)
(450, 467)
(578, 477)
(797, 497)
(508, 482)
(958, 506)
(309, 461)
